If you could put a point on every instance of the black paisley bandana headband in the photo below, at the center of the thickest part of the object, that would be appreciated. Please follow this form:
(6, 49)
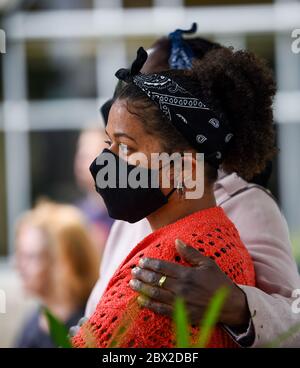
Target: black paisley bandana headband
(202, 128)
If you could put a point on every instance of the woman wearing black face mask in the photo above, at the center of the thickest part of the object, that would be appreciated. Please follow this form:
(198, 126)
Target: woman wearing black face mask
(181, 111)
(249, 207)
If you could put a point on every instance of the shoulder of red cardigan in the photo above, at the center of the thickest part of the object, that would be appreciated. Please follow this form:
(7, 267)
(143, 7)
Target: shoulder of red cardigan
(201, 221)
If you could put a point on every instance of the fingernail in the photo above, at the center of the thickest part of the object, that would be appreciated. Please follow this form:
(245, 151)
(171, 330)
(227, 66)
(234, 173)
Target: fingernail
(134, 283)
(73, 331)
(142, 262)
(82, 321)
(142, 300)
(180, 243)
(135, 270)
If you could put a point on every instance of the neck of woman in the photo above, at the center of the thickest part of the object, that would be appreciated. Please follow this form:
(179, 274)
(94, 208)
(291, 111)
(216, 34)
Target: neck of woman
(178, 208)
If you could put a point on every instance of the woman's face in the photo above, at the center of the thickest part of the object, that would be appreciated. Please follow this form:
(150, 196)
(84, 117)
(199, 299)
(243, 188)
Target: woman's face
(33, 260)
(128, 139)
(127, 136)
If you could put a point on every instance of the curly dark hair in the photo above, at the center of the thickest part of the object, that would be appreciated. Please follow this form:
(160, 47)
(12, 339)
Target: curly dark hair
(240, 88)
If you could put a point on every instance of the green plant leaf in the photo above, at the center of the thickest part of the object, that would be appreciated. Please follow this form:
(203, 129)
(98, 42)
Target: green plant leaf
(57, 330)
(181, 324)
(210, 317)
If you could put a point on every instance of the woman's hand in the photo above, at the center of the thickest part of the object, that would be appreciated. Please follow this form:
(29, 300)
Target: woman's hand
(196, 285)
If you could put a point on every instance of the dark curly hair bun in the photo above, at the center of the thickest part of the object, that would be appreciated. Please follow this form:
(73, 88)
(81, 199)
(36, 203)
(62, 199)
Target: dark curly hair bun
(240, 87)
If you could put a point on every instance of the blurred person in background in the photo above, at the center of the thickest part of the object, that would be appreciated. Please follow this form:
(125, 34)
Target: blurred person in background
(58, 266)
(90, 144)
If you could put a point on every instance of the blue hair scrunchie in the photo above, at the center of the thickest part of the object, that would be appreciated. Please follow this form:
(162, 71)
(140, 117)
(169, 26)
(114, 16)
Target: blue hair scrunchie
(181, 55)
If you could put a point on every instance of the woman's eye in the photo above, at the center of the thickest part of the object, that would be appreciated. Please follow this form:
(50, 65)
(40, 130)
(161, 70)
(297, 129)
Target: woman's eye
(108, 143)
(124, 148)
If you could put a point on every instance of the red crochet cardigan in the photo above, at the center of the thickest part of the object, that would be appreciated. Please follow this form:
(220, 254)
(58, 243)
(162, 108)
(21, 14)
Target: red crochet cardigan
(119, 321)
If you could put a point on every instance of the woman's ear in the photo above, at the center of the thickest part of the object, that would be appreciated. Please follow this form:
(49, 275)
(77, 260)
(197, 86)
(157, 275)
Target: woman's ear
(185, 171)
(188, 169)
(193, 175)
(171, 170)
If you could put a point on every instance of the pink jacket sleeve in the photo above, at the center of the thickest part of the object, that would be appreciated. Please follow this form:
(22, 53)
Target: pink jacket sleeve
(264, 231)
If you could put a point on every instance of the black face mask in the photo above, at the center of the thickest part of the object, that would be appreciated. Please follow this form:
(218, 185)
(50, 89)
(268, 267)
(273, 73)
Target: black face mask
(128, 204)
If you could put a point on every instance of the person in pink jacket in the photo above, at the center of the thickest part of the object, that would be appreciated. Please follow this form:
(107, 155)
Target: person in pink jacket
(263, 312)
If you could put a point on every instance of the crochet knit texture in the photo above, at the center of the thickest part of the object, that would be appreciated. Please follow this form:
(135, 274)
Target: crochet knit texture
(119, 321)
